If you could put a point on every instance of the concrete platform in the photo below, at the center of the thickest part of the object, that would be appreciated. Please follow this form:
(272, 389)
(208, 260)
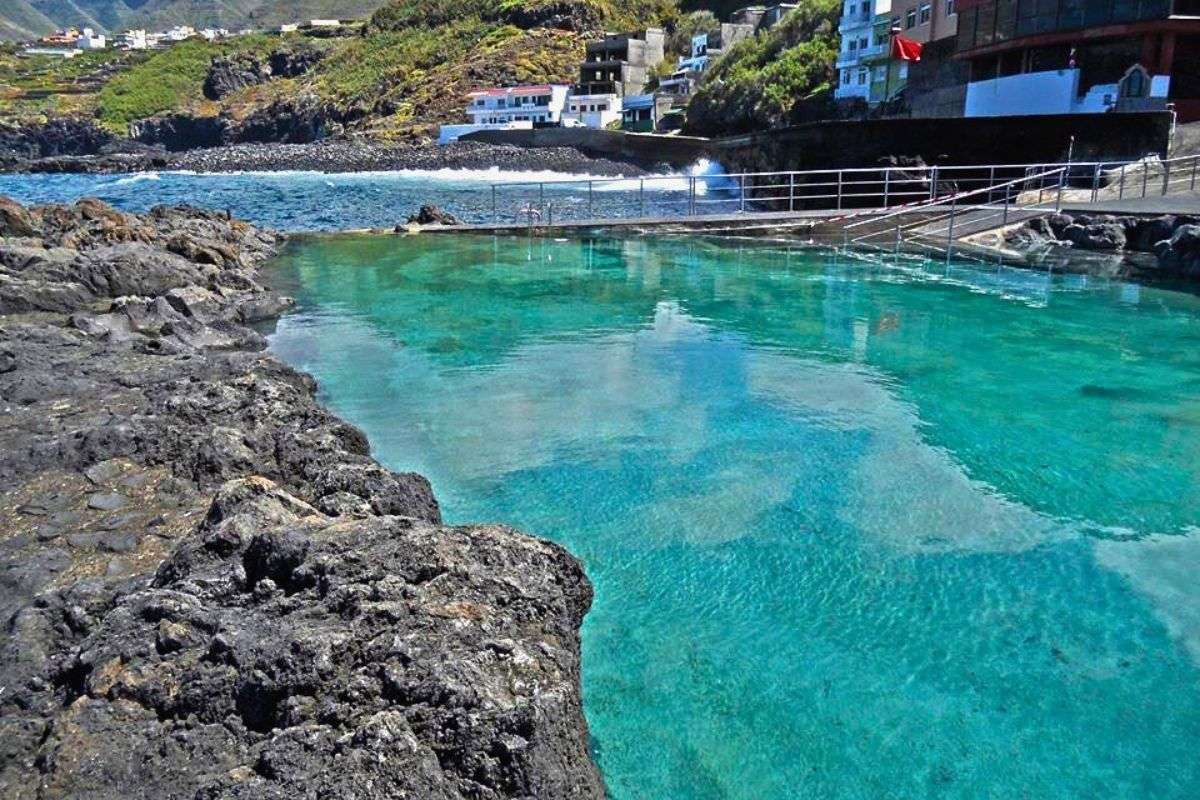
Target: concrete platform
(1174, 203)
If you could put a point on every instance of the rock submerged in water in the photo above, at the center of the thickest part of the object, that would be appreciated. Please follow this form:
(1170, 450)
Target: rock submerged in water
(285, 616)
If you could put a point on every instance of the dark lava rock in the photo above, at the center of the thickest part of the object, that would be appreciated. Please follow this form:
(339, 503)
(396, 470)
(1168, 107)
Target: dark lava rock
(230, 74)
(432, 215)
(384, 657)
(317, 632)
(1180, 255)
(106, 501)
(1096, 236)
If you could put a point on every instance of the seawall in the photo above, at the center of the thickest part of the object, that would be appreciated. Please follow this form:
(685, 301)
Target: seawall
(862, 143)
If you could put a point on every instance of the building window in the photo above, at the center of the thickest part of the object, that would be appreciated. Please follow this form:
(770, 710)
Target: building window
(851, 46)
(845, 77)
(910, 19)
(895, 22)
(863, 42)
(949, 8)
(863, 74)
(926, 12)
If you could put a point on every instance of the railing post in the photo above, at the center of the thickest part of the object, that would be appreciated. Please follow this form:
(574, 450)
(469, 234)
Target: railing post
(591, 213)
(742, 191)
(1166, 176)
(1121, 192)
(897, 236)
(1062, 175)
(1145, 177)
(950, 228)
(642, 197)
(792, 189)
(991, 183)
(1195, 161)
(1007, 201)
(933, 180)
(550, 214)
(1095, 182)
(887, 185)
(541, 197)
(839, 195)
(692, 197)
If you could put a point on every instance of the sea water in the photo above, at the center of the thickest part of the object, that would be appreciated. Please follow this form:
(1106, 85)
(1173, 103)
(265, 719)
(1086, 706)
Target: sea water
(859, 527)
(318, 201)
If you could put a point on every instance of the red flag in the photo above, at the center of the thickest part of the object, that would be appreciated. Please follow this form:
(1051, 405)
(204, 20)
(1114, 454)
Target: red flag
(906, 49)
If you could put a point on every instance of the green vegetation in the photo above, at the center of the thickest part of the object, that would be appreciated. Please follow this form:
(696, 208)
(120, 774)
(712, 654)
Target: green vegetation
(172, 80)
(771, 79)
(689, 25)
(33, 87)
(411, 66)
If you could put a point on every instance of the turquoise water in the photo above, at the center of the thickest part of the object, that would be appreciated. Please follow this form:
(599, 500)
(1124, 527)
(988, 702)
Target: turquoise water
(857, 530)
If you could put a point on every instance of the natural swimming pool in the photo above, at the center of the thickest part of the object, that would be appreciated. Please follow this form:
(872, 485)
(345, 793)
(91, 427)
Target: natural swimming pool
(857, 529)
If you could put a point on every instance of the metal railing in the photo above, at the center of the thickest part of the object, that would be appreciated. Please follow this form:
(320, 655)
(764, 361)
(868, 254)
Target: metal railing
(935, 228)
(818, 192)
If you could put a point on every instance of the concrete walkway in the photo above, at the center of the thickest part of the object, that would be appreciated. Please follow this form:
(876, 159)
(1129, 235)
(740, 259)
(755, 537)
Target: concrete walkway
(1174, 203)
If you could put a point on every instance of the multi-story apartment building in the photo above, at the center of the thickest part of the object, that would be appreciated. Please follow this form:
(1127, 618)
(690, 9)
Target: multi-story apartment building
(1072, 56)
(921, 21)
(859, 45)
(620, 63)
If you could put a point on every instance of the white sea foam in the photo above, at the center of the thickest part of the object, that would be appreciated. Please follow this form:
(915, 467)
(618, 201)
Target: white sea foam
(709, 174)
(137, 178)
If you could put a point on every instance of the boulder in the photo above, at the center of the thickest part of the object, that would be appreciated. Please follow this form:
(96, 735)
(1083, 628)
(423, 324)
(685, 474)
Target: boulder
(1144, 234)
(1096, 236)
(432, 215)
(1180, 255)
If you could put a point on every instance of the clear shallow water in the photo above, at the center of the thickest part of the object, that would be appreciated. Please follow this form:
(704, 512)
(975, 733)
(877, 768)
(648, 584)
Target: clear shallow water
(856, 531)
(317, 201)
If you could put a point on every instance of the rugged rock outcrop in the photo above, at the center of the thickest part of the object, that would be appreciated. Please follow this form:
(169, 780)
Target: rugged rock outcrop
(208, 588)
(232, 73)
(1171, 239)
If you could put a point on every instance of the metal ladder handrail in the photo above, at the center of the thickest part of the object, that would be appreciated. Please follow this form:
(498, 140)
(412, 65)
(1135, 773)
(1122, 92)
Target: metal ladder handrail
(937, 201)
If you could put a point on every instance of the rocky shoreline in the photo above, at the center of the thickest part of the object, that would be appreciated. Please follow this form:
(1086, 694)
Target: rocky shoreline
(64, 148)
(1163, 247)
(208, 587)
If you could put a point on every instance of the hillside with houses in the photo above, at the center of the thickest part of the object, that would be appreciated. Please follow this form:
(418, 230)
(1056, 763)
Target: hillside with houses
(438, 70)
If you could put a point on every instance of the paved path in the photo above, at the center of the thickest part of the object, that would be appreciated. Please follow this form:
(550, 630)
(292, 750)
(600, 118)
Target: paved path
(1175, 203)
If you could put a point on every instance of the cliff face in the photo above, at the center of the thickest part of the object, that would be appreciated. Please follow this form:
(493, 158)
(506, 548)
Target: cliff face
(208, 587)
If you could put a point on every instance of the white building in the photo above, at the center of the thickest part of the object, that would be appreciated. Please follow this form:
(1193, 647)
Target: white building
(542, 103)
(1057, 92)
(324, 23)
(508, 108)
(179, 33)
(133, 40)
(56, 52)
(857, 47)
(90, 40)
(593, 110)
(289, 27)
(213, 34)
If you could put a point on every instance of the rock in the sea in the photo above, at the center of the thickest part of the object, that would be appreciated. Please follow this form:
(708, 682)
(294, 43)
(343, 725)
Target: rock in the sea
(432, 215)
